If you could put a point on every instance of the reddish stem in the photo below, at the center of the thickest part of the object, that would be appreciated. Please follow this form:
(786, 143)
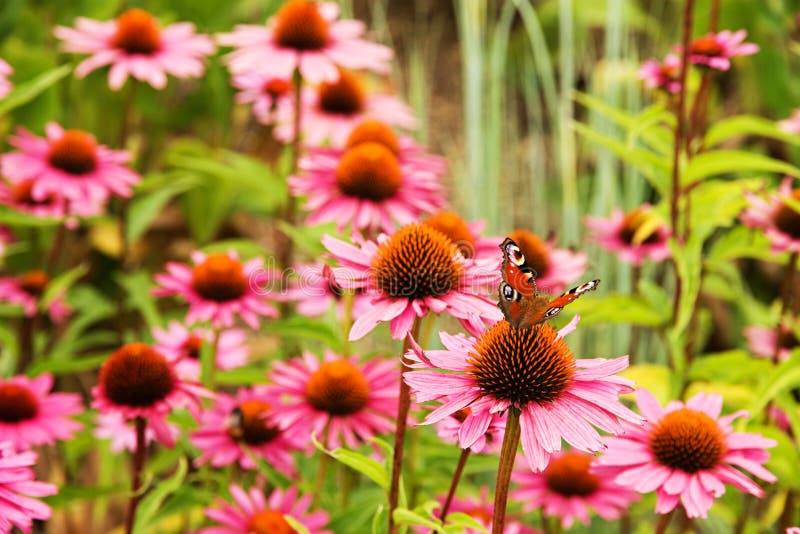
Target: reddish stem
(462, 461)
(787, 293)
(136, 473)
(508, 453)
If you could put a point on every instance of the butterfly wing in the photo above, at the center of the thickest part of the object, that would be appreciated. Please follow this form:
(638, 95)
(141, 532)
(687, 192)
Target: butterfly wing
(524, 312)
(555, 306)
(515, 270)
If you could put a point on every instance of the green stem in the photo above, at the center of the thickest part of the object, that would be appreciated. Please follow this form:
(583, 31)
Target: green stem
(508, 454)
(462, 461)
(208, 362)
(322, 468)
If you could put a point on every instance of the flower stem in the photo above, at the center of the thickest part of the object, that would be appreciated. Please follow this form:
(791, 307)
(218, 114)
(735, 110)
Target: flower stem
(636, 275)
(27, 330)
(287, 246)
(663, 522)
(787, 293)
(462, 461)
(403, 405)
(322, 469)
(347, 322)
(508, 453)
(208, 362)
(55, 250)
(136, 473)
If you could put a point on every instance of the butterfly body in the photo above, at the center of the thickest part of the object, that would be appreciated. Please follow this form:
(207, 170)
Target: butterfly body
(519, 299)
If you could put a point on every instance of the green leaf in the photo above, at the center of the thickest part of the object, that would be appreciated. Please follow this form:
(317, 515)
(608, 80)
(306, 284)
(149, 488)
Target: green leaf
(365, 465)
(68, 493)
(735, 366)
(717, 203)
(242, 376)
(717, 162)
(59, 286)
(275, 477)
(785, 376)
(28, 90)
(13, 217)
(67, 366)
(137, 287)
(619, 308)
(728, 128)
(403, 516)
(246, 248)
(462, 520)
(304, 328)
(145, 208)
(150, 504)
(740, 242)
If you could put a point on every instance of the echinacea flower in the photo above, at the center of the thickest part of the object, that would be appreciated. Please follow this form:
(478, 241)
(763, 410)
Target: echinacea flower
(529, 369)
(555, 268)
(408, 274)
(19, 197)
(244, 424)
(686, 453)
(779, 221)
(134, 44)
(17, 487)
(115, 427)
(568, 490)
(5, 84)
(466, 235)
(266, 94)
(218, 288)
(69, 164)
(315, 289)
(185, 345)
(354, 401)
(481, 509)
(331, 111)
(377, 182)
(304, 36)
(27, 289)
(252, 513)
(138, 382)
(715, 50)
(792, 124)
(762, 341)
(31, 415)
(662, 75)
(634, 235)
(458, 429)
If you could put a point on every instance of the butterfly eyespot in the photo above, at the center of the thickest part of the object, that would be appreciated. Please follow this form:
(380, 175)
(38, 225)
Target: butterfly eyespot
(508, 292)
(552, 312)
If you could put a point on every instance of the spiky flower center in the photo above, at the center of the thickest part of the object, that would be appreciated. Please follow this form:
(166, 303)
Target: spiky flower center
(75, 152)
(345, 96)
(33, 282)
(22, 194)
(374, 131)
(688, 440)
(630, 233)
(192, 346)
(569, 476)
(706, 46)
(137, 32)
(219, 278)
(369, 171)
(456, 229)
(136, 375)
(268, 522)
(522, 365)
(250, 423)
(17, 403)
(534, 249)
(338, 387)
(787, 220)
(299, 25)
(417, 262)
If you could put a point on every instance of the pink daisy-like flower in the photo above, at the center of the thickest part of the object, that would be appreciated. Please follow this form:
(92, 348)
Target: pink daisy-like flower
(792, 124)
(567, 489)
(532, 370)
(779, 221)
(185, 346)
(304, 36)
(662, 75)
(219, 287)
(376, 183)
(69, 164)
(354, 401)
(27, 289)
(331, 111)
(315, 288)
(762, 341)
(632, 235)
(247, 423)
(17, 486)
(555, 268)
(136, 381)
(458, 429)
(134, 44)
(19, 196)
(30, 415)
(481, 509)
(266, 94)
(5, 84)
(686, 453)
(412, 272)
(466, 235)
(715, 50)
(114, 426)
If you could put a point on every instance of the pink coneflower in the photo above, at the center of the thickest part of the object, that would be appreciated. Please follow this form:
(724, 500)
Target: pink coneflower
(246, 423)
(555, 268)
(315, 289)
(253, 514)
(792, 124)
(412, 272)
(466, 235)
(69, 164)
(458, 428)
(218, 288)
(30, 415)
(304, 36)
(134, 44)
(378, 182)
(662, 75)
(330, 112)
(266, 94)
(27, 289)
(567, 489)
(481, 509)
(779, 221)
(17, 486)
(715, 50)
(5, 84)
(532, 370)
(185, 346)
(635, 235)
(762, 341)
(19, 197)
(138, 382)
(686, 453)
(354, 401)
(114, 426)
